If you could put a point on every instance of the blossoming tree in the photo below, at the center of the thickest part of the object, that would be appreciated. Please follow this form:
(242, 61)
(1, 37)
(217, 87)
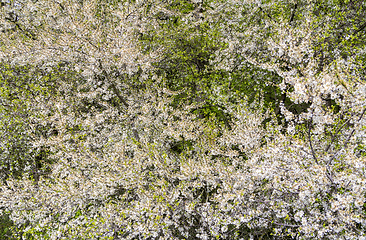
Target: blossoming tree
(111, 116)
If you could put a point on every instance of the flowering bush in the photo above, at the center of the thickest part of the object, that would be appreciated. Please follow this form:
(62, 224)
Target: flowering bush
(241, 122)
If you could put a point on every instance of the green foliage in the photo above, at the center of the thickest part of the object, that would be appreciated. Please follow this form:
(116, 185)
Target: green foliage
(189, 64)
(343, 28)
(24, 92)
(6, 227)
(14, 110)
(181, 146)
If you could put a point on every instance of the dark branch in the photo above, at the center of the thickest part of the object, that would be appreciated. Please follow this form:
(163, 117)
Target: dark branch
(353, 131)
(293, 13)
(311, 145)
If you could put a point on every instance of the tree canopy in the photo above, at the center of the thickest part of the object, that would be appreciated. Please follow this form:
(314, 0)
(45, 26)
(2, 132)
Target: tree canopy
(182, 119)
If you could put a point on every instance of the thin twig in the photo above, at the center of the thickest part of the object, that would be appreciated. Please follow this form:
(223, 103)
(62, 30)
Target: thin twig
(311, 145)
(353, 131)
(333, 136)
(115, 90)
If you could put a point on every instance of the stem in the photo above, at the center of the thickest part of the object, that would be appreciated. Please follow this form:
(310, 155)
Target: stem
(115, 90)
(311, 145)
(353, 131)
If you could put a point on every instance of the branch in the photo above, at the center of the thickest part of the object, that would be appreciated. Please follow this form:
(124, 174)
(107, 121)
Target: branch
(116, 91)
(333, 136)
(353, 131)
(293, 13)
(114, 88)
(361, 28)
(269, 16)
(311, 145)
(27, 33)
